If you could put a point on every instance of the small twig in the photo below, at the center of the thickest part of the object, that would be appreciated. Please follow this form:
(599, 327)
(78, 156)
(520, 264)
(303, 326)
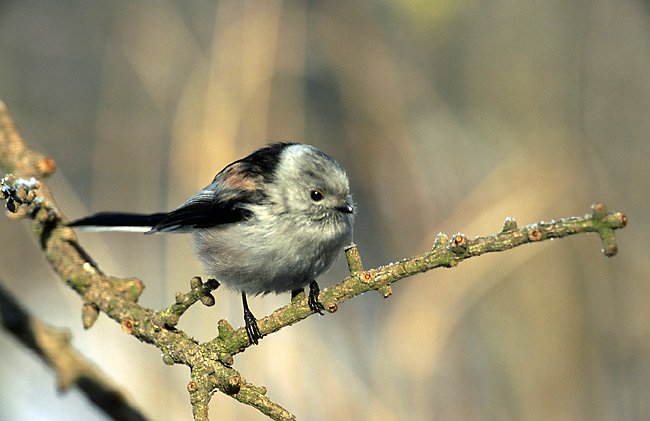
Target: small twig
(199, 292)
(256, 397)
(15, 156)
(355, 265)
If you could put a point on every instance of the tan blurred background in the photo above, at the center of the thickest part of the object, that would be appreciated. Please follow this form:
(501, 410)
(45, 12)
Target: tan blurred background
(448, 115)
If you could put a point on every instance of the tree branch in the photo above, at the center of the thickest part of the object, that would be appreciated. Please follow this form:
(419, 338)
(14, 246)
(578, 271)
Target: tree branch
(444, 253)
(71, 368)
(211, 362)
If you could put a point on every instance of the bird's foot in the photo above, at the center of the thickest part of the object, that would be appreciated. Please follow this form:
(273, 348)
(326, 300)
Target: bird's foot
(312, 300)
(252, 330)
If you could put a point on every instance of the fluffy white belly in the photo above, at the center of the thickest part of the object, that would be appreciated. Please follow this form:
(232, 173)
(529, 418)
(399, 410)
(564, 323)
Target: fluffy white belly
(247, 258)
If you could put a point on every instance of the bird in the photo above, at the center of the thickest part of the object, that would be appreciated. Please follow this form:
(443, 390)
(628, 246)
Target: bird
(271, 222)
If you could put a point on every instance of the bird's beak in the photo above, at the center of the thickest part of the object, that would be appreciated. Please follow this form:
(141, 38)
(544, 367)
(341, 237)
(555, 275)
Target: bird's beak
(346, 209)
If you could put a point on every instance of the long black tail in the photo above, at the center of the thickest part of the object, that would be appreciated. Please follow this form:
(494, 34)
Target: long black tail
(119, 221)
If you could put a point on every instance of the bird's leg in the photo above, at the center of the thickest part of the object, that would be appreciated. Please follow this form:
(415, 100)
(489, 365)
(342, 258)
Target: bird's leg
(295, 293)
(313, 302)
(252, 330)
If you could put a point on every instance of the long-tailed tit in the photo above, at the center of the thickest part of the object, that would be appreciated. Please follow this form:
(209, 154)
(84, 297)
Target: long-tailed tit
(270, 222)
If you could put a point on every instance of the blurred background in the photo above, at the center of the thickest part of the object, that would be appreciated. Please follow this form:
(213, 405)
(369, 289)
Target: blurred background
(448, 115)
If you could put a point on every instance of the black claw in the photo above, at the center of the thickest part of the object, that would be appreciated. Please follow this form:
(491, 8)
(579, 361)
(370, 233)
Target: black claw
(313, 302)
(252, 330)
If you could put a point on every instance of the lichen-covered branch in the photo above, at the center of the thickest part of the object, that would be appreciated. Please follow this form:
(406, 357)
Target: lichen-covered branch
(444, 253)
(211, 362)
(256, 397)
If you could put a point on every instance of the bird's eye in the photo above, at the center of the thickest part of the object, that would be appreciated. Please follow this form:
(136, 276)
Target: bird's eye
(316, 195)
